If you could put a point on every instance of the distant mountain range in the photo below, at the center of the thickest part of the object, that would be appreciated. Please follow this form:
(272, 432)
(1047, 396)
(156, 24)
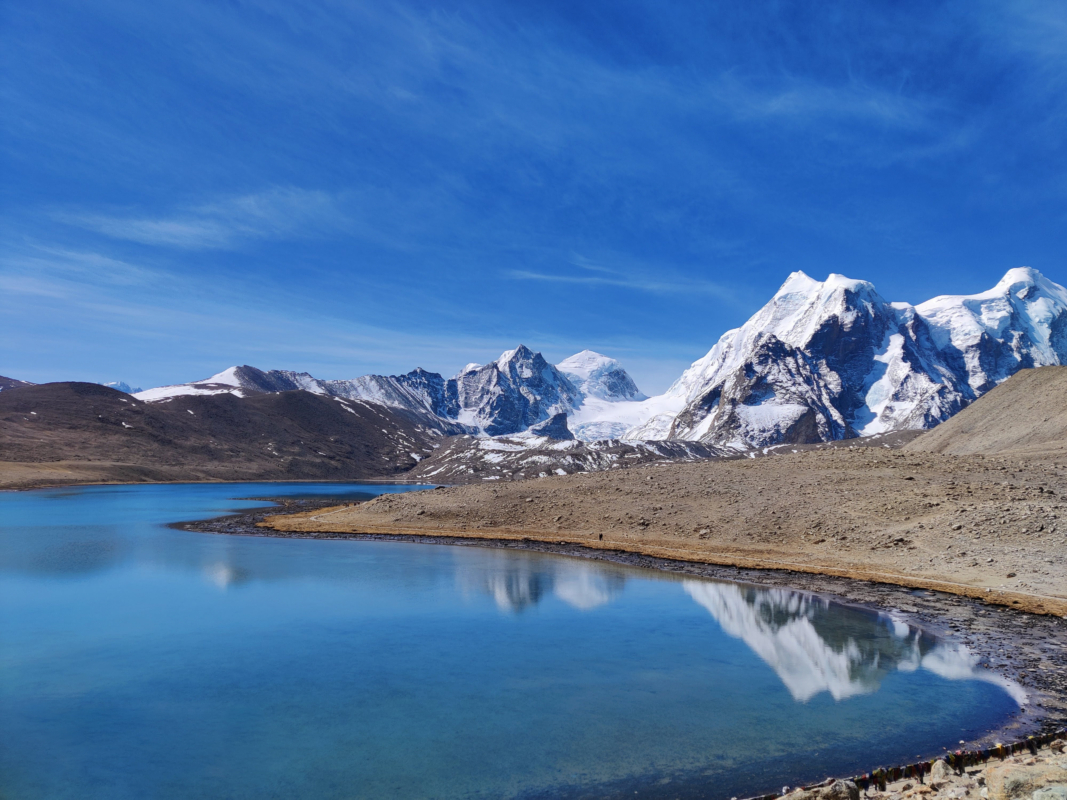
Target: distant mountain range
(507, 396)
(821, 361)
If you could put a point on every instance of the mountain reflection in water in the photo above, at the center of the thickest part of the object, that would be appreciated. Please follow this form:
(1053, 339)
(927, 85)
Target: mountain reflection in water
(814, 648)
(812, 645)
(516, 584)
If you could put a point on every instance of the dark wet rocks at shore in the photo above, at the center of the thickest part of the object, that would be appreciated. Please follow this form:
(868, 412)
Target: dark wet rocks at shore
(1021, 771)
(245, 522)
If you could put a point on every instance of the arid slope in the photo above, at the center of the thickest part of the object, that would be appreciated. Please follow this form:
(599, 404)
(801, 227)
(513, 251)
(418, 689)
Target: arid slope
(1027, 415)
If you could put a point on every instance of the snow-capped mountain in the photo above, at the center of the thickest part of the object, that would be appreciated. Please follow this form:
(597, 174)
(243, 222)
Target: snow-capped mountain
(599, 376)
(507, 396)
(821, 361)
(832, 360)
(121, 386)
(610, 399)
(240, 381)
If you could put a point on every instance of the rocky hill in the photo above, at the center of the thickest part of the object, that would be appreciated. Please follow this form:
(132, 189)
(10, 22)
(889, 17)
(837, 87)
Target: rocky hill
(1026, 415)
(544, 451)
(275, 436)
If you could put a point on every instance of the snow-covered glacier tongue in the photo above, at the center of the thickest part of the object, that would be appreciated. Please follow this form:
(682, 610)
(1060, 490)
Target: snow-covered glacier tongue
(832, 360)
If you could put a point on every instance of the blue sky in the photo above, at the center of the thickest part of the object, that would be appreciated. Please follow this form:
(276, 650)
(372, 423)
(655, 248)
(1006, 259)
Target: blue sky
(353, 187)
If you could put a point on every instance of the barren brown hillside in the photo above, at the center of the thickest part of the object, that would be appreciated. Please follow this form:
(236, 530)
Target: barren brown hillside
(1027, 414)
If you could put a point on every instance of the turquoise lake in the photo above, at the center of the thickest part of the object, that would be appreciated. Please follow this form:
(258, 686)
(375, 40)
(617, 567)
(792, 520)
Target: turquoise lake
(140, 661)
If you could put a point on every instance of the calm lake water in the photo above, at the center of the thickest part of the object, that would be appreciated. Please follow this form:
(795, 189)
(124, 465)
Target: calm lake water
(138, 661)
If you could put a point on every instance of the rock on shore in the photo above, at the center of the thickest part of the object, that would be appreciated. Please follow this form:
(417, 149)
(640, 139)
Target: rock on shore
(1042, 776)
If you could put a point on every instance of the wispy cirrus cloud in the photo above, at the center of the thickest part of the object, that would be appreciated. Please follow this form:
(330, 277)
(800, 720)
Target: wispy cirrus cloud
(278, 213)
(589, 273)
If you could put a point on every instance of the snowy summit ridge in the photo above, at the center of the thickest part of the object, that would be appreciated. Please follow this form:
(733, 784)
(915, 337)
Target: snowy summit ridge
(833, 360)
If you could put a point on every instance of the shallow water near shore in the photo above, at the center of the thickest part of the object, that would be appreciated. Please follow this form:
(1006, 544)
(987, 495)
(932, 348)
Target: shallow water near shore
(139, 661)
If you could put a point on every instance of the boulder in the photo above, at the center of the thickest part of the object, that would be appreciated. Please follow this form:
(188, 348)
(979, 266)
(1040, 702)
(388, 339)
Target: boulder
(1016, 781)
(941, 771)
(836, 790)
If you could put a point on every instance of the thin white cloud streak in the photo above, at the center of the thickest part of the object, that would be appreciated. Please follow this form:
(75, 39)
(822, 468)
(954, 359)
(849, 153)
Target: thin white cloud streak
(628, 282)
(78, 266)
(278, 213)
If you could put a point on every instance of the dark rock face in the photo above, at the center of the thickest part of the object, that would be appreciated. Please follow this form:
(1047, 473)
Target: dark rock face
(555, 427)
(774, 398)
(276, 380)
(509, 395)
(431, 386)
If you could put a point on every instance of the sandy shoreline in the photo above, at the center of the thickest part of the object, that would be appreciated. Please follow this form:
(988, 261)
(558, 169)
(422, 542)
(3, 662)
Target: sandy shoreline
(983, 527)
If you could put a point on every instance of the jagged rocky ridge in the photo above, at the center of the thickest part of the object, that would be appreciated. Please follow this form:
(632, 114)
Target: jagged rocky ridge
(542, 451)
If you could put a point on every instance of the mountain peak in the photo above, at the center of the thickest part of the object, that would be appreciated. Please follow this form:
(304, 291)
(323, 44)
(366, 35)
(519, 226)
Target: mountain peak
(598, 375)
(520, 353)
(797, 283)
(583, 364)
(836, 281)
(1022, 278)
(122, 386)
(228, 377)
